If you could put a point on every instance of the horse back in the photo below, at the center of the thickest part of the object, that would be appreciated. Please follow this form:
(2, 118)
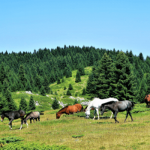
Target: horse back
(35, 114)
(72, 109)
(79, 106)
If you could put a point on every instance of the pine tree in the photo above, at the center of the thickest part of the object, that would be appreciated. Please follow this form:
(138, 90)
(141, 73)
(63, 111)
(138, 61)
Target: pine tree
(141, 57)
(142, 91)
(70, 87)
(102, 80)
(43, 92)
(55, 104)
(91, 86)
(46, 85)
(10, 102)
(5, 87)
(58, 81)
(81, 70)
(68, 93)
(148, 83)
(2, 73)
(38, 82)
(126, 86)
(3, 105)
(68, 71)
(84, 92)
(23, 104)
(31, 104)
(75, 102)
(78, 78)
(28, 86)
(22, 78)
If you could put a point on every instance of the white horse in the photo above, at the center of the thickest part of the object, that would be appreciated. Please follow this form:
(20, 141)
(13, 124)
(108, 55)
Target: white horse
(96, 103)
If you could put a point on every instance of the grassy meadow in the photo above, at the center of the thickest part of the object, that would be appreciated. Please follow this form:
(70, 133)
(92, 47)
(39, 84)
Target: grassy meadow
(78, 133)
(74, 131)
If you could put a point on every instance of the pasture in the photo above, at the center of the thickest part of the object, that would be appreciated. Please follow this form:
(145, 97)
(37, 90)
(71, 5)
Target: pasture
(78, 133)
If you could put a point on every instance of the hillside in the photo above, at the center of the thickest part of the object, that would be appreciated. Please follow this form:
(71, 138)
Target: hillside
(46, 101)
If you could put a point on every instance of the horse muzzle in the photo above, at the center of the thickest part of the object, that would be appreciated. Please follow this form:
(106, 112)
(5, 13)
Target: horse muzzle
(87, 117)
(1, 120)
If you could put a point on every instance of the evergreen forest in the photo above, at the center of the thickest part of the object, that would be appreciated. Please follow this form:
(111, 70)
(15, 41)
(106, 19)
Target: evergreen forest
(114, 73)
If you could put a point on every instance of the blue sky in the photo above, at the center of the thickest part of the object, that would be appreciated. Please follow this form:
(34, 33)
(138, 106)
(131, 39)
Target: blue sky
(33, 24)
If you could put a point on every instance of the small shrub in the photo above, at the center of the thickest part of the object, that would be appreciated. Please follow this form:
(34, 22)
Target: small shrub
(70, 87)
(55, 104)
(77, 136)
(75, 101)
(68, 93)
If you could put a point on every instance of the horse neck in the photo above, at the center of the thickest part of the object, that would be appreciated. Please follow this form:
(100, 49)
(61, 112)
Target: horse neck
(27, 117)
(62, 111)
(89, 108)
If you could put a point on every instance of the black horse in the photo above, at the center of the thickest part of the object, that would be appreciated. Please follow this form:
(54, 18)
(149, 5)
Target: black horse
(119, 107)
(11, 115)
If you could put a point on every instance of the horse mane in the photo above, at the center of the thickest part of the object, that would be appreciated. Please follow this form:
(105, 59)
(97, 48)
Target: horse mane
(107, 103)
(63, 108)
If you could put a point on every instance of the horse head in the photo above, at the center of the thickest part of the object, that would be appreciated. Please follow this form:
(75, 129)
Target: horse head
(2, 117)
(57, 115)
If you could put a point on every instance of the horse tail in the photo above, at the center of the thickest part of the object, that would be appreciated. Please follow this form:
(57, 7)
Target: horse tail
(41, 113)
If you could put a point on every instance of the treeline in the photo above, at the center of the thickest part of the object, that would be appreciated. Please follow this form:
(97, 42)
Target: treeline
(34, 72)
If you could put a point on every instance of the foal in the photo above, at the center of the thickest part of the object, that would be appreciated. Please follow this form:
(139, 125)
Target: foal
(32, 115)
(119, 107)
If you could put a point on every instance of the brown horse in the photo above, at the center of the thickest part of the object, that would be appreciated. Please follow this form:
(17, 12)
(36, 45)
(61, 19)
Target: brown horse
(147, 100)
(69, 110)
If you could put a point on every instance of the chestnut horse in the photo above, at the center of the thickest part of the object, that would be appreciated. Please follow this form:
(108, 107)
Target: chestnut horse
(147, 100)
(69, 110)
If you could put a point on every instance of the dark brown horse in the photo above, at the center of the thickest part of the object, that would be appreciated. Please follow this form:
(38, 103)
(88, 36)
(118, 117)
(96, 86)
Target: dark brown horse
(69, 110)
(32, 115)
(147, 100)
(11, 115)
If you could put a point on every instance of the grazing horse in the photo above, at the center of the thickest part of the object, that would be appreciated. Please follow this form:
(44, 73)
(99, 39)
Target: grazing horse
(147, 100)
(11, 115)
(119, 107)
(32, 115)
(69, 110)
(96, 104)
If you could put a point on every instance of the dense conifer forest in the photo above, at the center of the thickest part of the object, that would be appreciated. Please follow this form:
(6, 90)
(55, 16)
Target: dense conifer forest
(114, 74)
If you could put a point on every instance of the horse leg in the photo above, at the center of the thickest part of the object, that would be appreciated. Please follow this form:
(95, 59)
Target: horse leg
(115, 117)
(39, 118)
(10, 123)
(30, 120)
(21, 123)
(97, 113)
(130, 116)
(111, 115)
(126, 116)
(94, 114)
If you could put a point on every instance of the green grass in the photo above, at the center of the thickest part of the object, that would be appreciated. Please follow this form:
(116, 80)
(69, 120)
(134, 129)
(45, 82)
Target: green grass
(77, 133)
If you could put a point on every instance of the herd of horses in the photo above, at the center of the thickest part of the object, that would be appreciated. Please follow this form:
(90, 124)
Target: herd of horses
(96, 104)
